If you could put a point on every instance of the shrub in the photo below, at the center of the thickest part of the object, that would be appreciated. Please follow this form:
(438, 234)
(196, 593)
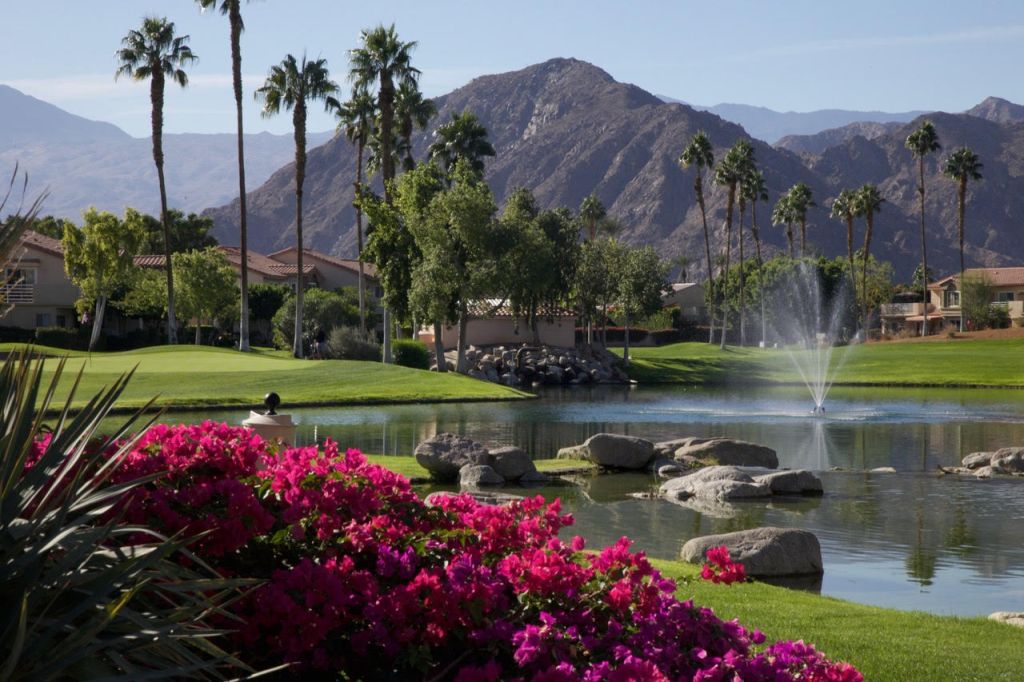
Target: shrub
(63, 337)
(325, 309)
(411, 353)
(350, 343)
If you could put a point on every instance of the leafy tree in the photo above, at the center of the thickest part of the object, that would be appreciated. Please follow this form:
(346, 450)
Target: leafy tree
(98, 258)
(187, 233)
(462, 138)
(700, 154)
(594, 284)
(50, 226)
(232, 8)
(920, 279)
(728, 173)
(784, 214)
(328, 310)
(267, 299)
(155, 53)
(641, 280)
(801, 198)
(355, 118)
(961, 166)
(292, 85)
(976, 295)
(207, 285)
(922, 142)
(868, 202)
(755, 190)
(391, 247)
(413, 111)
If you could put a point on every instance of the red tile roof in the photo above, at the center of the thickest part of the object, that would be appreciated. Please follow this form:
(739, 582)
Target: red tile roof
(267, 267)
(351, 264)
(495, 307)
(42, 242)
(1000, 277)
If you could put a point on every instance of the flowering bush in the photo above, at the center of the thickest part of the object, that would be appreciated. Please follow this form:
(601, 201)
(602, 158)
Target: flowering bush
(721, 568)
(361, 576)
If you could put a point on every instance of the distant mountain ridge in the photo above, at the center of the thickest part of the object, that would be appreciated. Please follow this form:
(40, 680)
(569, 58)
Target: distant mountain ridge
(85, 163)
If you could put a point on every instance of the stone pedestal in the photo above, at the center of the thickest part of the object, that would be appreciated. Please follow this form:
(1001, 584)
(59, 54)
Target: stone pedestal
(272, 426)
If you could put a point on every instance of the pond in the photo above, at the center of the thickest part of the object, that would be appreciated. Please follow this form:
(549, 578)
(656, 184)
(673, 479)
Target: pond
(909, 540)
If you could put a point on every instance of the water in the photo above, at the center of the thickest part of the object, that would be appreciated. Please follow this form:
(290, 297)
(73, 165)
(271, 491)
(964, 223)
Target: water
(911, 540)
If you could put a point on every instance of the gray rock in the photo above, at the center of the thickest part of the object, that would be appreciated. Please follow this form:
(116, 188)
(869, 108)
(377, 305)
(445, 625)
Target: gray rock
(481, 496)
(987, 472)
(619, 452)
(763, 551)
(477, 475)
(445, 454)
(573, 452)
(1010, 460)
(670, 470)
(667, 448)
(729, 452)
(977, 460)
(512, 462)
(882, 470)
(719, 483)
(1015, 618)
(794, 482)
(534, 478)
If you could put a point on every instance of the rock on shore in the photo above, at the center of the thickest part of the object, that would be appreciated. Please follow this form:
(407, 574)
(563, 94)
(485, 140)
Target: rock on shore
(764, 551)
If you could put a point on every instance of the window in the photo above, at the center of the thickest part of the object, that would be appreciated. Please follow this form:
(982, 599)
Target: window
(62, 320)
(21, 275)
(44, 320)
(951, 299)
(1004, 296)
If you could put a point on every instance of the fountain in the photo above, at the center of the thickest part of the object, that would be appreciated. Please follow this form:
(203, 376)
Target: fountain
(813, 329)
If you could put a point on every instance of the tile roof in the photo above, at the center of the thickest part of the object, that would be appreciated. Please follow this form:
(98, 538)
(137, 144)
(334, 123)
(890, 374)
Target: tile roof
(349, 263)
(1000, 277)
(42, 242)
(268, 267)
(496, 307)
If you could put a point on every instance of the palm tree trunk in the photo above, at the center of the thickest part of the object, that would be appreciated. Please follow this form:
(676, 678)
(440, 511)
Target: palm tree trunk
(962, 198)
(743, 282)
(864, 270)
(442, 363)
(299, 119)
(760, 271)
(803, 236)
(461, 363)
(156, 96)
(235, 19)
(386, 99)
(849, 253)
(924, 254)
(388, 358)
(359, 236)
(698, 187)
(199, 332)
(725, 272)
(789, 238)
(625, 349)
(97, 321)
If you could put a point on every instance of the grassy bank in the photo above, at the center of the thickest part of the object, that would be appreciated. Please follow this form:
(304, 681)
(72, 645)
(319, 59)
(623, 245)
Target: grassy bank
(961, 362)
(184, 377)
(407, 466)
(884, 644)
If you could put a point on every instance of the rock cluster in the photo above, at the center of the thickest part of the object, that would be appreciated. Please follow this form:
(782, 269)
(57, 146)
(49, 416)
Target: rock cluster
(1002, 462)
(450, 457)
(763, 551)
(670, 457)
(540, 365)
(725, 483)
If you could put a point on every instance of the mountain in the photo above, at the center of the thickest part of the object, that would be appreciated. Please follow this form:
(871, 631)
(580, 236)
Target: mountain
(771, 126)
(998, 110)
(818, 142)
(89, 163)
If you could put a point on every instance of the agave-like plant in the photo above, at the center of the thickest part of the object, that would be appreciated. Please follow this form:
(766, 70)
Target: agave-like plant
(84, 594)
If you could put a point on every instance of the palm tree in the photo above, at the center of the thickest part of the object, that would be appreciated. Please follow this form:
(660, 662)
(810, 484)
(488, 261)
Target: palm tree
(355, 118)
(292, 85)
(412, 111)
(463, 137)
(844, 207)
(868, 202)
(783, 214)
(746, 170)
(700, 154)
(755, 190)
(591, 212)
(385, 62)
(961, 166)
(728, 173)
(154, 52)
(233, 11)
(922, 142)
(800, 199)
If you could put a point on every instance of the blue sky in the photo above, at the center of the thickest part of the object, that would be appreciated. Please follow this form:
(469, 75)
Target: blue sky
(798, 55)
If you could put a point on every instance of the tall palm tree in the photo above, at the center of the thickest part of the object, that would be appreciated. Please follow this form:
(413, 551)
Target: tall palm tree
(383, 61)
(232, 8)
(412, 110)
(462, 138)
(700, 154)
(755, 190)
(728, 173)
(961, 166)
(355, 118)
(801, 198)
(291, 85)
(591, 213)
(746, 169)
(154, 52)
(868, 202)
(783, 214)
(922, 142)
(844, 207)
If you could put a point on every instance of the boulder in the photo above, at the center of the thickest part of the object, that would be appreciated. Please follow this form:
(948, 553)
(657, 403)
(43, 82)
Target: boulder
(718, 483)
(573, 452)
(791, 482)
(534, 478)
(987, 472)
(1015, 618)
(667, 448)
(729, 452)
(763, 551)
(1010, 460)
(511, 462)
(445, 454)
(976, 460)
(882, 470)
(481, 496)
(478, 475)
(619, 452)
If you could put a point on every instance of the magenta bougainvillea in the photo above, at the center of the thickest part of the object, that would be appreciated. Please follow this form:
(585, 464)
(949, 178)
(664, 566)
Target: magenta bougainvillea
(360, 576)
(720, 568)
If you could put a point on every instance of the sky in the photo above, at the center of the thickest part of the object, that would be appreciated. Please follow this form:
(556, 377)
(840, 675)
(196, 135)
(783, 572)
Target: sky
(788, 55)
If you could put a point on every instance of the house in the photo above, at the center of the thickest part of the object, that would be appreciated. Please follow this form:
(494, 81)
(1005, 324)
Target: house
(333, 272)
(491, 323)
(37, 286)
(689, 298)
(944, 300)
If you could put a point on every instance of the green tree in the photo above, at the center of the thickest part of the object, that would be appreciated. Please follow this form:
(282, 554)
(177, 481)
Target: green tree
(700, 154)
(784, 214)
(187, 233)
(977, 293)
(801, 198)
(756, 190)
(413, 111)
(155, 53)
(292, 85)
(961, 166)
(327, 310)
(641, 280)
(232, 8)
(50, 226)
(462, 138)
(922, 142)
(868, 202)
(207, 286)
(592, 211)
(728, 174)
(99, 257)
(747, 169)
(845, 208)
(355, 118)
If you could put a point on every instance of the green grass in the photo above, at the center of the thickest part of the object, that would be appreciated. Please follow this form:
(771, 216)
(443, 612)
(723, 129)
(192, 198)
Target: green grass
(185, 377)
(981, 363)
(407, 466)
(884, 644)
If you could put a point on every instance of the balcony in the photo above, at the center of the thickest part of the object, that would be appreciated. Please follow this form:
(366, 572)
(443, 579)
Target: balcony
(19, 292)
(901, 309)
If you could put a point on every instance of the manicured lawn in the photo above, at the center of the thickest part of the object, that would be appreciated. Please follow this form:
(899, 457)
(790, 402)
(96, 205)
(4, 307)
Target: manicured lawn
(190, 377)
(962, 362)
(884, 644)
(407, 466)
